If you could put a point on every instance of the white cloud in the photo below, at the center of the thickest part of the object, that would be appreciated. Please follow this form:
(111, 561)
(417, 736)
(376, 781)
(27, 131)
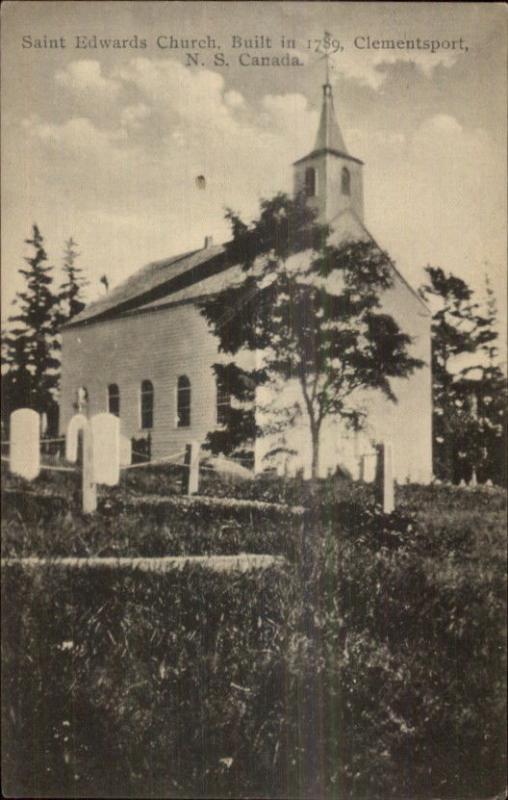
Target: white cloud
(84, 78)
(134, 116)
(234, 99)
(439, 200)
(366, 66)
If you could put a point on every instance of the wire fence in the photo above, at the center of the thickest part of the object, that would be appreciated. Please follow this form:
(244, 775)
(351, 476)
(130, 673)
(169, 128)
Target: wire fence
(171, 459)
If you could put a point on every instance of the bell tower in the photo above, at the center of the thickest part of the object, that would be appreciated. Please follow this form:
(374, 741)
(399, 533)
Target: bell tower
(330, 178)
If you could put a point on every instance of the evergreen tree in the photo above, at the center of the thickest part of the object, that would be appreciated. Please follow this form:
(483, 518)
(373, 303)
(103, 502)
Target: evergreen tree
(30, 347)
(71, 291)
(467, 399)
(309, 313)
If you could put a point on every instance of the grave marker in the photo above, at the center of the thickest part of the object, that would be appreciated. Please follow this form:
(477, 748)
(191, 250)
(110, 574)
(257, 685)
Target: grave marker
(25, 459)
(125, 451)
(106, 448)
(77, 424)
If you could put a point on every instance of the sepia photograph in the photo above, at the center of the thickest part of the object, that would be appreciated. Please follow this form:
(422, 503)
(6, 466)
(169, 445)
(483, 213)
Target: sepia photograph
(254, 400)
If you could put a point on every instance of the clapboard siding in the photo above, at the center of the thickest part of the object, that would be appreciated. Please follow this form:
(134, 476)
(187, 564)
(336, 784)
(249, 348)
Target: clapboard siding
(157, 346)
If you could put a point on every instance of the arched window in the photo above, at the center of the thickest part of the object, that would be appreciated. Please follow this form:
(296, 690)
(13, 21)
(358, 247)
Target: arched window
(114, 399)
(147, 395)
(223, 402)
(346, 181)
(183, 402)
(310, 182)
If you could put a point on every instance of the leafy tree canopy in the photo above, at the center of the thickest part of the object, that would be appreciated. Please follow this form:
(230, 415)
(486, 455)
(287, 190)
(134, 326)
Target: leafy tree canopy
(311, 312)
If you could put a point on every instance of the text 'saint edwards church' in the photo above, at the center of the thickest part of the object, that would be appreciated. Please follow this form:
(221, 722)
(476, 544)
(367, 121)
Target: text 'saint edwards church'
(144, 351)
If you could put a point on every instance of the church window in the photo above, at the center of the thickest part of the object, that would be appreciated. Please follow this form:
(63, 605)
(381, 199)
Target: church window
(183, 402)
(223, 402)
(114, 399)
(147, 396)
(346, 181)
(310, 182)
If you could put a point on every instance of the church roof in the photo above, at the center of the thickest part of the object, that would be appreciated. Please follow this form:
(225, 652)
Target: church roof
(153, 281)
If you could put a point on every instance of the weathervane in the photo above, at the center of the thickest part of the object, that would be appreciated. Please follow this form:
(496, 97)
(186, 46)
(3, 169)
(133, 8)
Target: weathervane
(330, 46)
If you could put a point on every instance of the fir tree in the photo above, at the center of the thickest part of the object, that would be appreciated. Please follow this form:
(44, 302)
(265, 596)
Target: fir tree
(30, 348)
(468, 393)
(71, 290)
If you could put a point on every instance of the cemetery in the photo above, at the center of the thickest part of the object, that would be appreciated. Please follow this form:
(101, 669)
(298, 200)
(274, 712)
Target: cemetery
(230, 629)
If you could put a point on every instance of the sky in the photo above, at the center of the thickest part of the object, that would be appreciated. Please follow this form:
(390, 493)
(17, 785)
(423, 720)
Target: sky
(105, 145)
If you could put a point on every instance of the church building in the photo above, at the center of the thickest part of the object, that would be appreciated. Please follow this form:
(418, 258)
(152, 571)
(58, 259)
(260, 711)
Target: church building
(144, 351)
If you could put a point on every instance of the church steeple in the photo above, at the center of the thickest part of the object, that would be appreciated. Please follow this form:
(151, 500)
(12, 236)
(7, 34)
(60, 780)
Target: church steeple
(329, 135)
(330, 178)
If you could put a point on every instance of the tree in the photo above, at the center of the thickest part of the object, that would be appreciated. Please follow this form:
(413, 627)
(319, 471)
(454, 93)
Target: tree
(30, 347)
(469, 389)
(71, 290)
(310, 312)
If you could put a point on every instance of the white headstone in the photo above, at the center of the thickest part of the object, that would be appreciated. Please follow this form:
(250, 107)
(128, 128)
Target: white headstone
(77, 424)
(25, 459)
(125, 451)
(106, 448)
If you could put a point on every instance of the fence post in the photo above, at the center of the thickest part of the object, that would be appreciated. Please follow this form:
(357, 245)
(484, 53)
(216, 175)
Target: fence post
(89, 487)
(80, 424)
(191, 471)
(25, 456)
(385, 494)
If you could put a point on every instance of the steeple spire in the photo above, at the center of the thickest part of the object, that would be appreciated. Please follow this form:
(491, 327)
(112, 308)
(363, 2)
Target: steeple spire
(328, 176)
(329, 136)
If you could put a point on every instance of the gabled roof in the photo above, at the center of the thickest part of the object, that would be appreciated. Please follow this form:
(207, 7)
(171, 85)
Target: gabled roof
(155, 280)
(347, 226)
(195, 275)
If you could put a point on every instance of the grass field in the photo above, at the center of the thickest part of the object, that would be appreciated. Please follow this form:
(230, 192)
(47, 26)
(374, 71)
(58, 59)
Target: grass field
(368, 663)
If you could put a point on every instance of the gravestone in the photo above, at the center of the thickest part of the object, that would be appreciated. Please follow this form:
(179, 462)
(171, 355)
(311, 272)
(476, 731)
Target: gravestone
(125, 451)
(25, 459)
(77, 425)
(106, 448)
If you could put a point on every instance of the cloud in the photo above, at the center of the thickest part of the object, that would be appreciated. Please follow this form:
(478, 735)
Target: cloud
(234, 99)
(372, 66)
(124, 179)
(84, 79)
(438, 199)
(134, 116)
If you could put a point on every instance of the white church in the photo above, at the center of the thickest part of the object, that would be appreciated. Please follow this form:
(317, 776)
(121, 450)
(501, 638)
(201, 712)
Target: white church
(144, 351)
